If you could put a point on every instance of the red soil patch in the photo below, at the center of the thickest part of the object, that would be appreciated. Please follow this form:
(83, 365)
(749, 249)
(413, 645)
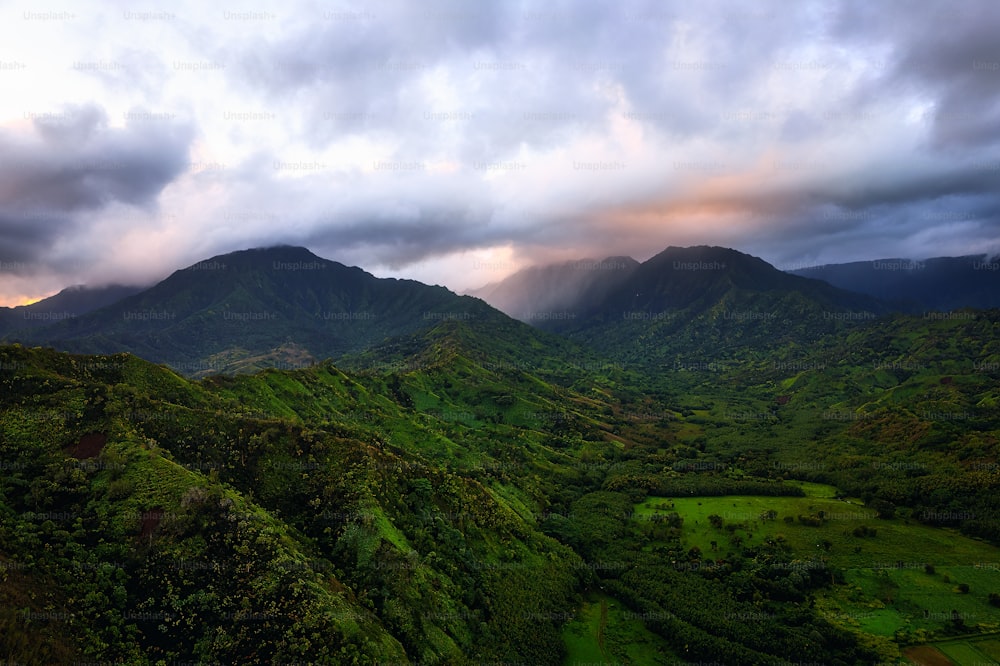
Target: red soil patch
(927, 655)
(89, 446)
(947, 380)
(783, 399)
(151, 519)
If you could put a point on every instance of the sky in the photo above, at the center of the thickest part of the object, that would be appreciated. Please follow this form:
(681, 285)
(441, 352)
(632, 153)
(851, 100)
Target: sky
(456, 141)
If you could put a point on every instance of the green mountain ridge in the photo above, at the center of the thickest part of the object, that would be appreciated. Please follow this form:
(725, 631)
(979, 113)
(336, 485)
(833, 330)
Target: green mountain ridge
(469, 489)
(349, 546)
(261, 300)
(690, 306)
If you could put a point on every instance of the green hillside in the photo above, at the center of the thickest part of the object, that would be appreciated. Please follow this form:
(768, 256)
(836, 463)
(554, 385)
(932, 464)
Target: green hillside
(474, 490)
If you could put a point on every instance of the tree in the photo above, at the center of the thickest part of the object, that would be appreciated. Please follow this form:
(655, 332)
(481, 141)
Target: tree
(883, 509)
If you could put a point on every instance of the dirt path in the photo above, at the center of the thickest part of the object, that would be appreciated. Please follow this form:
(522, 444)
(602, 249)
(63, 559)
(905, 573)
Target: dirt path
(602, 625)
(89, 446)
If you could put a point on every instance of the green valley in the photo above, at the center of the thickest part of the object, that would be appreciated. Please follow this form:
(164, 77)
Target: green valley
(473, 490)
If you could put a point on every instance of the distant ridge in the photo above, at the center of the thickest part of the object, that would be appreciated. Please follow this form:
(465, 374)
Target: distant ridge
(557, 286)
(703, 303)
(70, 302)
(217, 313)
(940, 283)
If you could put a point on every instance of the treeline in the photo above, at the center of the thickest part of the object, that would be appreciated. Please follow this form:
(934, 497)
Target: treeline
(692, 485)
(751, 607)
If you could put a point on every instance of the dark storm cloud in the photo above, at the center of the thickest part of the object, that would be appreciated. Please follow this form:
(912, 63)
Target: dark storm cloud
(773, 126)
(948, 50)
(74, 163)
(398, 243)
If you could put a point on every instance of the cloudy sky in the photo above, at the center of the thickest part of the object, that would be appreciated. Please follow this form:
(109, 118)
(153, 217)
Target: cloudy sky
(455, 141)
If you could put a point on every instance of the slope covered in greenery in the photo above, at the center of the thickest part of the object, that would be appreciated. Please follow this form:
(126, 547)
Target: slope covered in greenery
(246, 537)
(687, 307)
(325, 516)
(212, 316)
(477, 490)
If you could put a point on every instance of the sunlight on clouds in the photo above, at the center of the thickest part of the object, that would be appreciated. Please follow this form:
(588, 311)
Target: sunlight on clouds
(462, 271)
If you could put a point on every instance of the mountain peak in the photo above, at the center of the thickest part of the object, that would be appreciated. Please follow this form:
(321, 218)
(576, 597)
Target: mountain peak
(237, 308)
(261, 256)
(707, 254)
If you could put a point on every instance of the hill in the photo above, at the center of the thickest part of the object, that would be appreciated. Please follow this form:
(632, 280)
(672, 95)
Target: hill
(68, 303)
(941, 284)
(686, 307)
(532, 292)
(255, 520)
(284, 304)
(462, 490)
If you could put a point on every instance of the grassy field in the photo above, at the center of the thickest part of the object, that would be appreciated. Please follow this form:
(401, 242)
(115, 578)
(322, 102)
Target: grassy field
(606, 633)
(970, 652)
(895, 540)
(889, 591)
(884, 601)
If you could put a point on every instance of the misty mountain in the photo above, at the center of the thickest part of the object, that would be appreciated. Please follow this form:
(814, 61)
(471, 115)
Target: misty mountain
(70, 302)
(278, 306)
(941, 283)
(563, 286)
(706, 303)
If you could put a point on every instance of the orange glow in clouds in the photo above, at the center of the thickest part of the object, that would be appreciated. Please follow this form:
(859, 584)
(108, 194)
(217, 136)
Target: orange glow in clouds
(717, 205)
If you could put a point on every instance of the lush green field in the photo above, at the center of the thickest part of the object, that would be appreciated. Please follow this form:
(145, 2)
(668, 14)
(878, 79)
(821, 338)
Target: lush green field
(906, 602)
(895, 540)
(604, 632)
(900, 585)
(971, 652)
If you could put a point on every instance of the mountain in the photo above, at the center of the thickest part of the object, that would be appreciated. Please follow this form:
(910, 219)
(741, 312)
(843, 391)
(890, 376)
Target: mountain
(68, 303)
(481, 491)
(262, 519)
(556, 287)
(701, 304)
(941, 283)
(279, 305)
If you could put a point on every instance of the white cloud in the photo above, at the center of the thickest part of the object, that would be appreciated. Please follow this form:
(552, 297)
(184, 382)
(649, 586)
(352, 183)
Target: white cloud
(408, 138)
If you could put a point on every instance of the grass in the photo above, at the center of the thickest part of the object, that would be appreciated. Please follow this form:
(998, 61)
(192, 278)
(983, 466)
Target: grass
(886, 601)
(963, 653)
(887, 588)
(989, 647)
(896, 540)
(625, 638)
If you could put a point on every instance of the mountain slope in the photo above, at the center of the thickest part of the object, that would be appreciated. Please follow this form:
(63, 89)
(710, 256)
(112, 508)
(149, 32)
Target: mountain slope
(941, 283)
(529, 293)
(220, 312)
(229, 529)
(68, 303)
(686, 307)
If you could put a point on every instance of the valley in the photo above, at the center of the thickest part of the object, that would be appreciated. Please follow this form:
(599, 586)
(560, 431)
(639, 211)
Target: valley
(471, 489)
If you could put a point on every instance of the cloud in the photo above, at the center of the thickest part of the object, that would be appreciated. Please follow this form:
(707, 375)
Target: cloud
(395, 135)
(73, 163)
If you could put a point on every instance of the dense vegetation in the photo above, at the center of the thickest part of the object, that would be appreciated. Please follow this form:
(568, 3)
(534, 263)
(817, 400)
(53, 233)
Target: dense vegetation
(478, 491)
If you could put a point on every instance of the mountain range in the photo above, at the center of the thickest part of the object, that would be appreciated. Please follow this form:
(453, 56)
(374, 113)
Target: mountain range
(68, 303)
(940, 284)
(286, 307)
(694, 459)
